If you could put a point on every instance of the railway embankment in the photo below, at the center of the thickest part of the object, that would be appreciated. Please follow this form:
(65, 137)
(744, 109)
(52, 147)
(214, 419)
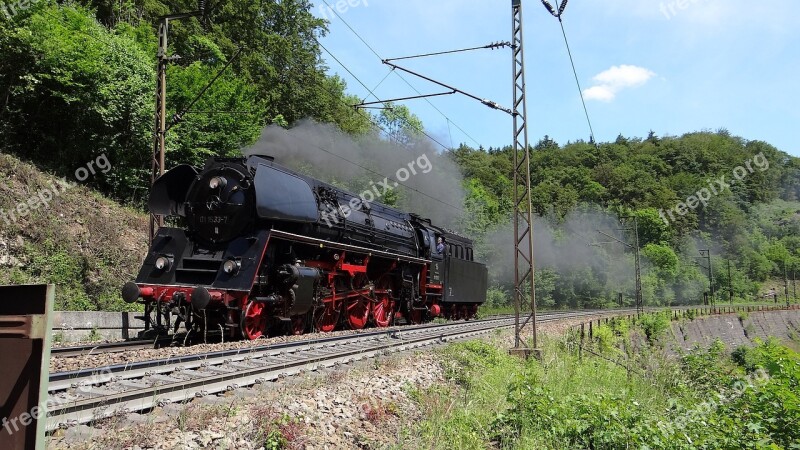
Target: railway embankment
(625, 387)
(60, 231)
(736, 330)
(369, 404)
(474, 395)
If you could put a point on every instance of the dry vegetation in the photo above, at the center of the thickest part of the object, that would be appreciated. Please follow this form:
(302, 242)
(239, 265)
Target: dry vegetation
(84, 243)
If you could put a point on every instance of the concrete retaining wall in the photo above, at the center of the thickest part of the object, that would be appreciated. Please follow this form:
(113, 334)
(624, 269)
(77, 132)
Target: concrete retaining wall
(737, 330)
(82, 326)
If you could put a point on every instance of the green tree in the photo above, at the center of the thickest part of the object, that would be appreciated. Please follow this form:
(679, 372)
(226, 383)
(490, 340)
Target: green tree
(663, 259)
(77, 91)
(228, 117)
(400, 124)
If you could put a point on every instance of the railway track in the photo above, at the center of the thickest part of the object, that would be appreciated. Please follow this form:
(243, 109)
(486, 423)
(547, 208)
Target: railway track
(144, 344)
(88, 395)
(113, 347)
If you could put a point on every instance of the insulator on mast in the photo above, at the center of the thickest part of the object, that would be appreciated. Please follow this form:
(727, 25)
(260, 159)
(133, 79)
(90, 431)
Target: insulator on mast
(562, 7)
(549, 7)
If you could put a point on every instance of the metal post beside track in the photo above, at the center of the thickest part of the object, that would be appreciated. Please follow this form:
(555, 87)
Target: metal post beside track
(25, 326)
(524, 270)
(160, 129)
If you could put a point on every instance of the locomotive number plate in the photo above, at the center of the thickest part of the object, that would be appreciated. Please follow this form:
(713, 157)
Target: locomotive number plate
(214, 219)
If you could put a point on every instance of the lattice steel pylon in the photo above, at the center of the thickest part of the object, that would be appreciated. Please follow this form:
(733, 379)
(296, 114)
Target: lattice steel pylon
(524, 270)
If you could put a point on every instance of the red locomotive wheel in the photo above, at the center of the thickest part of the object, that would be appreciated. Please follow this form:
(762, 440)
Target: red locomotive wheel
(383, 311)
(328, 318)
(383, 308)
(358, 313)
(254, 324)
(416, 316)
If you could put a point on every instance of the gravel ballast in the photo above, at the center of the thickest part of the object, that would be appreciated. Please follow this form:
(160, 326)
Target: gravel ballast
(364, 405)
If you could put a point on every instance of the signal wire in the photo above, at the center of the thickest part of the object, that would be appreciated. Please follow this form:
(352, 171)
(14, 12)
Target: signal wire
(557, 14)
(376, 86)
(493, 45)
(373, 94)
(378, 126)
(399, 75)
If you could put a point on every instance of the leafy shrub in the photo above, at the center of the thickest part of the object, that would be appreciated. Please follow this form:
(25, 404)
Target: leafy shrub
(726, 409)
(497, 297)
(706, 368)
(577, 421)
(620, 326)
(654, 325)
(605, 338)
(770, 400)
(566, 402)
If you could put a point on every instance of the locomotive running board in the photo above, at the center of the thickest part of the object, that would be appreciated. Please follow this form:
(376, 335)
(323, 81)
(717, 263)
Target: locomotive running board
(323, 243)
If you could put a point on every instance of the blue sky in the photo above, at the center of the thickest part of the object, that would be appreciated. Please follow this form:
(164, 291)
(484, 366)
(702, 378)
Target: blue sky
(673, 66)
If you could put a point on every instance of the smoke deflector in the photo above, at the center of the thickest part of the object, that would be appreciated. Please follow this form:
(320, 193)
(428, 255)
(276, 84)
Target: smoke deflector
(169, 191)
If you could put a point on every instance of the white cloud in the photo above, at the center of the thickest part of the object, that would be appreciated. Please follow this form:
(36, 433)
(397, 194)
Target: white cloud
(601, 93)
(610, 82)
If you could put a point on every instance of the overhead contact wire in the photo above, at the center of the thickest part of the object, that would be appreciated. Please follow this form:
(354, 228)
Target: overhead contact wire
(399, 75)
(557, 14)
(373, 95)
(577, 81)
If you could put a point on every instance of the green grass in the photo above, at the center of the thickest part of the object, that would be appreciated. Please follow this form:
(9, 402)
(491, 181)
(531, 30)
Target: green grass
(706, 399)
(485, 311)
(466, 413)
(463, 410)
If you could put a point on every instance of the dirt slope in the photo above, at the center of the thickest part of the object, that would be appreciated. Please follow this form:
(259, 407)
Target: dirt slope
(58, 231)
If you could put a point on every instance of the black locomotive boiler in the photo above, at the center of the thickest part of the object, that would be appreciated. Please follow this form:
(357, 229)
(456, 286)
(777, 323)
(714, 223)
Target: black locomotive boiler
(266, 250)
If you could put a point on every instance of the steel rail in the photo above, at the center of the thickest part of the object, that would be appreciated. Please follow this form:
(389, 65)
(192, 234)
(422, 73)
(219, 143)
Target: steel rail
(119, 347)
(98, 349)
(104, 392)
(60, 379)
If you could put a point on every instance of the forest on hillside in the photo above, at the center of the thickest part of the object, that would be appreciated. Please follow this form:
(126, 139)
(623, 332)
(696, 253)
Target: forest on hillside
(700, 191)
(77, 80)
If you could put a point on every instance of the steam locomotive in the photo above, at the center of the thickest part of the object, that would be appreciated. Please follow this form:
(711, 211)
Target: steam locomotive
(266, 250)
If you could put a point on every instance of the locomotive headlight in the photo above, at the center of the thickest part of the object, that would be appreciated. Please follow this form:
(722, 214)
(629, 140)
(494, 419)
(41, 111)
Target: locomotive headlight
(231, 266)
(163, 263)
(218, 182)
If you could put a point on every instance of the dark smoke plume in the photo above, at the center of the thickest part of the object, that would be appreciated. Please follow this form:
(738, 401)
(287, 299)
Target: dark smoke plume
(325, 153)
